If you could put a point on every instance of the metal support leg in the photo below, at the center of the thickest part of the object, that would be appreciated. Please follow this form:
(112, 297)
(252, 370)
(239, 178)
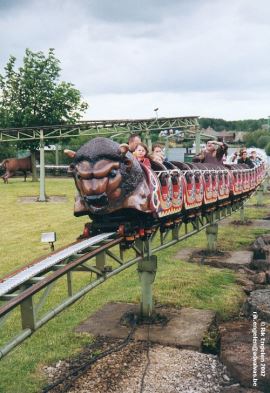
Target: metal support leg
(148, 141)
(100, 260)
(147, 271)
(211, 233)
(57, 158)
(42, 194)
(175, 232)
(198, 141)
(69, 283)
(260, 197)
(242, 215)
(28, 314)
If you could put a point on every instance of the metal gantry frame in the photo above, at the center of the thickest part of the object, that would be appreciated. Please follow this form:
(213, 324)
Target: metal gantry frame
(94, 128)
(99, 128)
(22, 304)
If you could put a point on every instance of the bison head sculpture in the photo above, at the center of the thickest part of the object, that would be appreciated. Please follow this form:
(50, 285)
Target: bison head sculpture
(108, 178)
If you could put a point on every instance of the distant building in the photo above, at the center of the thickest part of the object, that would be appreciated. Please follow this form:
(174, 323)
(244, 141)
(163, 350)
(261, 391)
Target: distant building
(239, 136)
(225, 136)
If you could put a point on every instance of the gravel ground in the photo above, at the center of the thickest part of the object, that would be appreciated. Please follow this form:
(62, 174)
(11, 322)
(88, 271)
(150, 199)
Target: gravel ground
(169, 370)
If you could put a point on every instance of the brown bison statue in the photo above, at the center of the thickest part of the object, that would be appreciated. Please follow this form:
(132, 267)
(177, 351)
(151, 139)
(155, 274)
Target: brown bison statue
(107, 178)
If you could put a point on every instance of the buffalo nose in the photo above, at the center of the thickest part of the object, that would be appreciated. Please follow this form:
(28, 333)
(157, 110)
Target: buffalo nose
(100, 200)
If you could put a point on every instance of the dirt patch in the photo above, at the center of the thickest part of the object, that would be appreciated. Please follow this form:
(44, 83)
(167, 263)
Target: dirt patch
(52, 198)
(209, 254)
(231, 260)
(240, 222)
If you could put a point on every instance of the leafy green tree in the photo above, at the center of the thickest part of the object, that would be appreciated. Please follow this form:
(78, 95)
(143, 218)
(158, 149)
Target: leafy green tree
(267, 149)
(236, 125)
(7, 150)
(263, 141)
(252, 138)
(32, 95)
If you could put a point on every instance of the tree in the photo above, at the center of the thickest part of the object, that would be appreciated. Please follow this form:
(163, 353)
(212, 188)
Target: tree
(252, 138)
(235, 125)
(267, 149)
(33, 96)
(263, 141)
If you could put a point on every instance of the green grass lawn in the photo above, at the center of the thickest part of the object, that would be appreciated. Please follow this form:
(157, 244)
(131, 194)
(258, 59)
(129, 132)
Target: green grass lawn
(177, 283)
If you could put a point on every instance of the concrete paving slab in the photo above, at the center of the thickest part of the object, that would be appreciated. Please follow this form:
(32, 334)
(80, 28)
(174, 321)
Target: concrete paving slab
(185, 328)
(250, 223)
(237, 260)
(231, 260)
(261, 224)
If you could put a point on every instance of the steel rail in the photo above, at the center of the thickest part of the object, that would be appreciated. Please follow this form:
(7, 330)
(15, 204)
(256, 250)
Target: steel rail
(54, 276)
(48, 262)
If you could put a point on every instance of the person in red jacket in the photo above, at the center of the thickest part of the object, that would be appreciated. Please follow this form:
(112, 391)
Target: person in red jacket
(141, 153)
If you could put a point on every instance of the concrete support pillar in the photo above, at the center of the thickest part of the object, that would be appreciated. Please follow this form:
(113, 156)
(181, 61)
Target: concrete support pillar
(147, 271)
(211, 234)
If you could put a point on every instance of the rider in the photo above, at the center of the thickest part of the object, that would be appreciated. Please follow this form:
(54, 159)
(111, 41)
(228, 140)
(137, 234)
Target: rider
(244, 159)
(213, 153)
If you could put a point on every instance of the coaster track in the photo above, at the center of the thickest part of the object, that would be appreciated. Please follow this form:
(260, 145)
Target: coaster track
(23, 293)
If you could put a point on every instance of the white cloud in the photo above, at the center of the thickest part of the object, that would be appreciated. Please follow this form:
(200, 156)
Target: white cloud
(206, 104)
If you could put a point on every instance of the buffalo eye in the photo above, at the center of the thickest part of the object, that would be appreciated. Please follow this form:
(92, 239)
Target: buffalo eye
(112, 174)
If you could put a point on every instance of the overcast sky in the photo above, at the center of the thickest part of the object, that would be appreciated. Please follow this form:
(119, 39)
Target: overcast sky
(208, 58)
